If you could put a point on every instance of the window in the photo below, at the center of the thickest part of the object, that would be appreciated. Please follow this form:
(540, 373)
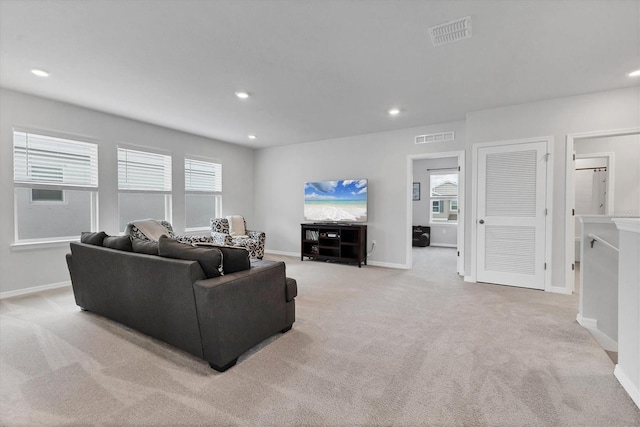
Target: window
(444, 197)
(55, 187)
(203, 193)
(46, 196)
(144, 186)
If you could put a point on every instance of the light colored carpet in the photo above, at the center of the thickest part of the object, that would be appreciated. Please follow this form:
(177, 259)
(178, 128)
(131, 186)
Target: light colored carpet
(370, 346)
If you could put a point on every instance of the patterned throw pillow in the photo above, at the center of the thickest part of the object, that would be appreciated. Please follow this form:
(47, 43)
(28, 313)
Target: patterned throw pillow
(219, 225)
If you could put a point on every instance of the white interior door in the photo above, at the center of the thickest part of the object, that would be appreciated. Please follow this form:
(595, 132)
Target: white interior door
(511, 214)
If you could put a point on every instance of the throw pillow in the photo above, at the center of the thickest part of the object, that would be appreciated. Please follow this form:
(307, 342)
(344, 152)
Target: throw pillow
(144, 246)
(95, 238)
(121, 243)
(210, 259)
(233, 259)
(236, 226)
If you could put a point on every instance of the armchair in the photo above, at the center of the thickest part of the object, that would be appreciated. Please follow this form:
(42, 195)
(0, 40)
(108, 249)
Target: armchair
(152, 229)
(232, 231)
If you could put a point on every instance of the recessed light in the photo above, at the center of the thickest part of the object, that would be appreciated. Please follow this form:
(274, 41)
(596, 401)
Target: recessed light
(394, 111)
(242, 95)
(252, 137)
(40, 73)
(635, 73)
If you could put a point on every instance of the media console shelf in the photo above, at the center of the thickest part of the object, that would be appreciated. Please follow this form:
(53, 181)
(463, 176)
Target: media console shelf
(335, 242)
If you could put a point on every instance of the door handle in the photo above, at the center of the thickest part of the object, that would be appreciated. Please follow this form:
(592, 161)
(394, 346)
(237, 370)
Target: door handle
(481, 221)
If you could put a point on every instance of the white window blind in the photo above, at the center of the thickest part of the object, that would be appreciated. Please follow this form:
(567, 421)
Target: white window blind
(46, 161)
(202, 176)
(143, 171)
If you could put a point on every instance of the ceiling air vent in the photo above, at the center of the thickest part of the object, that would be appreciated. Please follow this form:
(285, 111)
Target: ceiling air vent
(435, 137)
(451, 31)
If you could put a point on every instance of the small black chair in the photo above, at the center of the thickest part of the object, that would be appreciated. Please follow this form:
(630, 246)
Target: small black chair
(421, 236)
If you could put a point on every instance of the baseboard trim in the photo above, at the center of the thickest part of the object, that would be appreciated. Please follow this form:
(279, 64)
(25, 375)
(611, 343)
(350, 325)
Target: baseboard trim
(632, 390)
(587, 322)
(283, 253)
(469, 279)
(388, 265)
(591, 325)
(444, 245)
(33, 289)
(369, 262)
(559, 290)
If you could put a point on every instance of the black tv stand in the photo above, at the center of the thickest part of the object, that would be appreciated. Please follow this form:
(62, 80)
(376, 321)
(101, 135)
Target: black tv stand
(334, 242)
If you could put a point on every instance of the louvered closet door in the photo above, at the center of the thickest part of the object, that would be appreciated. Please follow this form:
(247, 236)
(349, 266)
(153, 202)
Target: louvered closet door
(511, 214)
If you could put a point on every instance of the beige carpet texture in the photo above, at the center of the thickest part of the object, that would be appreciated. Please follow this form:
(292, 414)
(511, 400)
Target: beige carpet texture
(370, 346)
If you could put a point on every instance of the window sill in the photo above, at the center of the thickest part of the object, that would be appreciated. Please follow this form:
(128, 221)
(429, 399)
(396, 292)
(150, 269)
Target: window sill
(41, 244)
(191, 231)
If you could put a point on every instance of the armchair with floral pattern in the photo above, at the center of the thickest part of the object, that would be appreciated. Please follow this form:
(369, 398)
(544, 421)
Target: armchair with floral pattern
(251, 240)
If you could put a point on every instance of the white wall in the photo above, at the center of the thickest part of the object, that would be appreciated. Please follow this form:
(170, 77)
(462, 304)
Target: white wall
(610, 110)
(23, 268)
(274, 189)
(441, 234)
(381, 158)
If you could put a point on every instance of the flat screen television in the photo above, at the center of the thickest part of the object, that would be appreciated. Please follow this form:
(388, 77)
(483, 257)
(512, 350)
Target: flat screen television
(343, 201)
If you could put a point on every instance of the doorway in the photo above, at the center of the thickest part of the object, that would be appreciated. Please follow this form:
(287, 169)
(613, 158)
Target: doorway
(621, 150)
(449, 224)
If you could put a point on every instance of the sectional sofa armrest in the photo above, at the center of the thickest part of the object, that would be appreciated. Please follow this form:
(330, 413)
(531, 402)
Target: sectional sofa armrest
(239, 310)
(221, 238)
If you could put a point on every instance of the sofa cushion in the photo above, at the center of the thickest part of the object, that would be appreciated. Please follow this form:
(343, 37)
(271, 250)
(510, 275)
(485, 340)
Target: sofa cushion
(122, 243)
(144, 246)
(210, 258)
(233, 259)
(95, 238)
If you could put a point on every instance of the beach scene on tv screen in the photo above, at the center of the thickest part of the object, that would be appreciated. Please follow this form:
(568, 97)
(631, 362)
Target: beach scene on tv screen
(336, 201)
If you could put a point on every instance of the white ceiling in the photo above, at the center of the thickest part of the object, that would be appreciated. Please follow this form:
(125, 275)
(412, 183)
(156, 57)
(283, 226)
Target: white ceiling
(315, 69)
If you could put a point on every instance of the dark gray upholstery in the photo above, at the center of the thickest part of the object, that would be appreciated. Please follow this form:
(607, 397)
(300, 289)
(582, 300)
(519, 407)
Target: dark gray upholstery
(122, 243)
(94, 238)
(210, 259)
(216, 319)
(233, 258)
(144, 246)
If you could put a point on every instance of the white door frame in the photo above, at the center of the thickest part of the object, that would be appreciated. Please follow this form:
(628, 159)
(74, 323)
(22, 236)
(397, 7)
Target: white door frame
(570, 197)
(548, 201)
(461, 205)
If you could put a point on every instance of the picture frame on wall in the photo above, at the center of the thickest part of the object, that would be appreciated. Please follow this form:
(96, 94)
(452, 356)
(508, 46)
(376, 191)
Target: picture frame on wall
(416, 191)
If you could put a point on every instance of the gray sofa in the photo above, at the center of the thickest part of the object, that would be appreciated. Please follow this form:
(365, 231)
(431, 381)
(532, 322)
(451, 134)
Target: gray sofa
(216, 318)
